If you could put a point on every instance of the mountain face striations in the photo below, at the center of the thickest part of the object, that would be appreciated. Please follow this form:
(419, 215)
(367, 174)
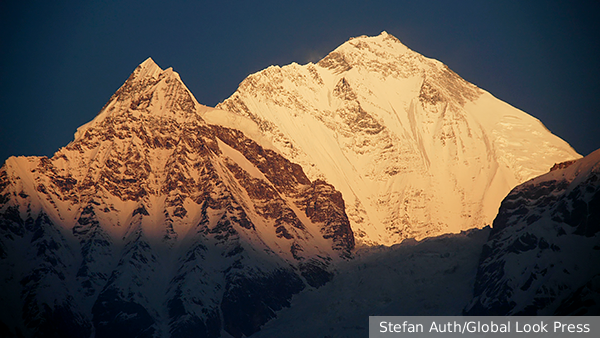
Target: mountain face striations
(167, 218)
(543, 253)
(415, 150)
(154, 223)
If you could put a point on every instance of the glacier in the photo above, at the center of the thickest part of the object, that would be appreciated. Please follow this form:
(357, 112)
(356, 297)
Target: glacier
(416, 150)
(359, 185)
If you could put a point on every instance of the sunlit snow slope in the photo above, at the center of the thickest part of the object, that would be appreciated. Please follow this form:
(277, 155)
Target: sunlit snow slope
(415, 150)
(154, 223)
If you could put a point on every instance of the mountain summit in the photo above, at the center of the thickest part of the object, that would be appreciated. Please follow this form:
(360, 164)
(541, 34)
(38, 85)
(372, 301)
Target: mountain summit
(154, 223)
(415, 149)
(167, 218)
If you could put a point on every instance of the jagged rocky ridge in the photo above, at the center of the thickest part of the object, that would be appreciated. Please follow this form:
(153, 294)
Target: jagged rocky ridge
(154, 223)
(168, 218)
(542, 257)
(543, 253)
(415, 149)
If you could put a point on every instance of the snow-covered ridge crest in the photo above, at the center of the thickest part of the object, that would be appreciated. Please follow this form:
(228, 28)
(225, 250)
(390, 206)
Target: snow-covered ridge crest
(146, 69)
(230, 120)
(164, 221)
(542, 255)
(415, 149)
(151, 88)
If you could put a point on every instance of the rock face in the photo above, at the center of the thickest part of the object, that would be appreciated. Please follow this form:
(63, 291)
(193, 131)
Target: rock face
(543, 254)
(154, 223)
(415, 150)
(167, 218)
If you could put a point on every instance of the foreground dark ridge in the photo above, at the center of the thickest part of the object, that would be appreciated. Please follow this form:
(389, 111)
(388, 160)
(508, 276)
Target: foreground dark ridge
(168, 218)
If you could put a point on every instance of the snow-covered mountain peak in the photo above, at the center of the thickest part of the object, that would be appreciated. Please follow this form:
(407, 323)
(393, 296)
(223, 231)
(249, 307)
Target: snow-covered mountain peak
(380, 44)
(415, 149)
(373, 54)
(153, 220)
(148, 90)
(148, 68)
(150, 71)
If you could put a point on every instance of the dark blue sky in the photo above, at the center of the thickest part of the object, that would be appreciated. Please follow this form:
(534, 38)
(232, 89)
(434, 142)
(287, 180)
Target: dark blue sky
(61, 61)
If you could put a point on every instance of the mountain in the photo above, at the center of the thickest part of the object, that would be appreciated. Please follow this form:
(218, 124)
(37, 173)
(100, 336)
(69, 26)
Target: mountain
(542, 257)
(543, 253)
(154, 223)
(167, 218)
(415, 149)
